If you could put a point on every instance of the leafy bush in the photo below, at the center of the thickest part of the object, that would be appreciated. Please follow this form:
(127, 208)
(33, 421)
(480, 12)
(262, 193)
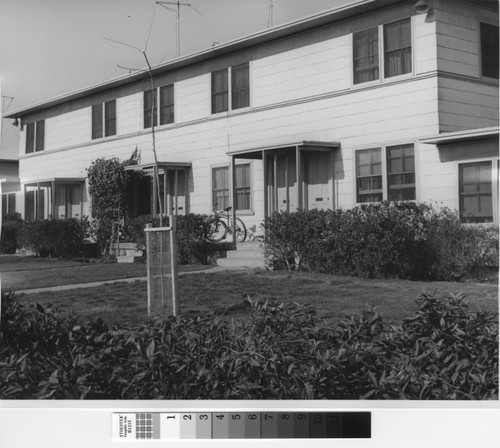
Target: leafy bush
(54, 237)
(193, 236)
(11, 225)
(405, 240)
(446, 351)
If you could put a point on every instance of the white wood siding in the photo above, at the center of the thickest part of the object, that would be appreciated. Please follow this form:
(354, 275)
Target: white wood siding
(458, 37)
(129, 114)
(193, 98)
(302, 72)
(466, 105)
(68, 129)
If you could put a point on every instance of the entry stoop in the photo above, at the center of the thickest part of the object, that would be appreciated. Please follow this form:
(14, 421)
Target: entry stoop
(249, 254)
(126, 252)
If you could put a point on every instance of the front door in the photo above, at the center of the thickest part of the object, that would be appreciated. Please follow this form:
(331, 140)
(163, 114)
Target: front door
(318, 181)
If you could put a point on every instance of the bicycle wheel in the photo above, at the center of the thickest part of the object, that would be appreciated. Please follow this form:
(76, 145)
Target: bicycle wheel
(219, 231)
(241, 230)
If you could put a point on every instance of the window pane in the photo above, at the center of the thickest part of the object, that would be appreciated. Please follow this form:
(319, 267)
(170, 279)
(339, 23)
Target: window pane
(30, 137)
(29, 207)
(368, 172)
(240, 86)
(397, 48)
(219, 91)
(401, 173)
(97, 121)
(148, 109)
(110, 116)
(40, 135)
(489, 50)
(366, 57)
(5, 209)
(167, 104)
(242, 173)
(220, 187)
(475, 189)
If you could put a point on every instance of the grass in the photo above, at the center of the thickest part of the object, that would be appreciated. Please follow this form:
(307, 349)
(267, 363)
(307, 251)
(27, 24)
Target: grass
(20, 272)
(334, 297)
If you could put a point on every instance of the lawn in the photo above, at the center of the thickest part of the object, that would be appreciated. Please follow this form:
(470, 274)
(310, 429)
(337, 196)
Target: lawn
(23, 272)
(333, 297)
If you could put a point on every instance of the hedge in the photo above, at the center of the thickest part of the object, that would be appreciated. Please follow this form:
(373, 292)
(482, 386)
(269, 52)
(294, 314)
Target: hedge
(446, 351)
(405, 240)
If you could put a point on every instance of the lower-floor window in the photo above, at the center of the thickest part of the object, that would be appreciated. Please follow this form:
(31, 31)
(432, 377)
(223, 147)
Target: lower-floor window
(34, 204)
(68, 201)
(476, 192)
(8, 203)
(221, 187)
(395, 164)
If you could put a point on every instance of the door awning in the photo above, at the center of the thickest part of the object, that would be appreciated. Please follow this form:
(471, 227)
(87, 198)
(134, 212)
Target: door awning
(65, 180)
(469, 135)
(306, 145)
(161, 165)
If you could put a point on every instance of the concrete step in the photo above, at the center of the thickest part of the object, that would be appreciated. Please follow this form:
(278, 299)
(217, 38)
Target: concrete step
(240, 262)
(128, 258)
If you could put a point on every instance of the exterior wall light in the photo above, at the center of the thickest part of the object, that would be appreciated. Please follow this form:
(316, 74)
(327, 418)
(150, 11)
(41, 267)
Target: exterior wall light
(421, 7)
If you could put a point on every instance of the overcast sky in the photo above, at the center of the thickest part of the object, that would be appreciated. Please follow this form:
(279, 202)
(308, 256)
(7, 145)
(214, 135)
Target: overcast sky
(52, 47)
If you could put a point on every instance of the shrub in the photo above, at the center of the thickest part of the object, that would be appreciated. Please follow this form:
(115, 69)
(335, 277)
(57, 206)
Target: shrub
(405, 240)
(446, 352)
(11, 225)
(54, 237)
(193, 236)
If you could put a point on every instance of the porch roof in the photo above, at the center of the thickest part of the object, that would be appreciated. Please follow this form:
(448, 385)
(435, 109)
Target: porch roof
(307, 145)
(56, 179)
(468, 135)
(149, 166)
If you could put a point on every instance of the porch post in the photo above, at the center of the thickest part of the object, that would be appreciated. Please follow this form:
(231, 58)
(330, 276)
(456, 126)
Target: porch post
(53, 199)
(298, 166)
(266, 185)
(233, 197)
(155, 193)
(275, 186)
(176, 191)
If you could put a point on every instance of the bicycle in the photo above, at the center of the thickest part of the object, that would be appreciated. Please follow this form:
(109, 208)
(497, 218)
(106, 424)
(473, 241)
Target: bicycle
(223, 226)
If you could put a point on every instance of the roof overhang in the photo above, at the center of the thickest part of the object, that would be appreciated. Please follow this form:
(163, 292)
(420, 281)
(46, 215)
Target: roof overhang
(450, 138)
(303, 145)
(9, 180)
(340, 13)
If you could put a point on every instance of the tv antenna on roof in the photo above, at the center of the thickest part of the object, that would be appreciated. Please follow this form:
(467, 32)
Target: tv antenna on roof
(270, 15)
(178, 11)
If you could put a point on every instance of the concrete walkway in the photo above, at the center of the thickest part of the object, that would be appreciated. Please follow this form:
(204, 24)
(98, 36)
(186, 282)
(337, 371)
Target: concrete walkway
(215, 269)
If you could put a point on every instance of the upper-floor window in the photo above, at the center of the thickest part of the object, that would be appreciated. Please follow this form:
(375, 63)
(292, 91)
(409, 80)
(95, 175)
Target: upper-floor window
(489, 50)
(159, 101)
(104, 119)
(239, 88)
(35, 136)
(399, 170)
(396, 51)
(476, 192)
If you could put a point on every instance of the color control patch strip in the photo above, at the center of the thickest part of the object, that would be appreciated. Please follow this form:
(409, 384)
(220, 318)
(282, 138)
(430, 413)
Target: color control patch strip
(241, 425)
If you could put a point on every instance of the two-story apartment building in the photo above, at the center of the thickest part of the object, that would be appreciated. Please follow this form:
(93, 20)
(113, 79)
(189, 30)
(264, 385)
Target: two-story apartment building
(376, 100)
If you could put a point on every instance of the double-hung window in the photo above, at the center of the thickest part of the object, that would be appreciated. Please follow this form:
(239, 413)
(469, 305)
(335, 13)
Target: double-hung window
(35, 136)
(397, 168)
(236, 86)
(104, 119)
(159, 101)
(221, 185)
(475, 182)
(394, 55)
(8, 203)
(489, 50)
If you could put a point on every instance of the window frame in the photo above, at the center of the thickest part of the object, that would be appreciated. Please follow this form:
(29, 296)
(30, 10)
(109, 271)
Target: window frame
(384, 150)
(35, 137)
(108, 125)
(227, 167)
(482, 21)
(8, 203)
(382, 77)
(495, 184)
(231, 92)
(156, 119)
